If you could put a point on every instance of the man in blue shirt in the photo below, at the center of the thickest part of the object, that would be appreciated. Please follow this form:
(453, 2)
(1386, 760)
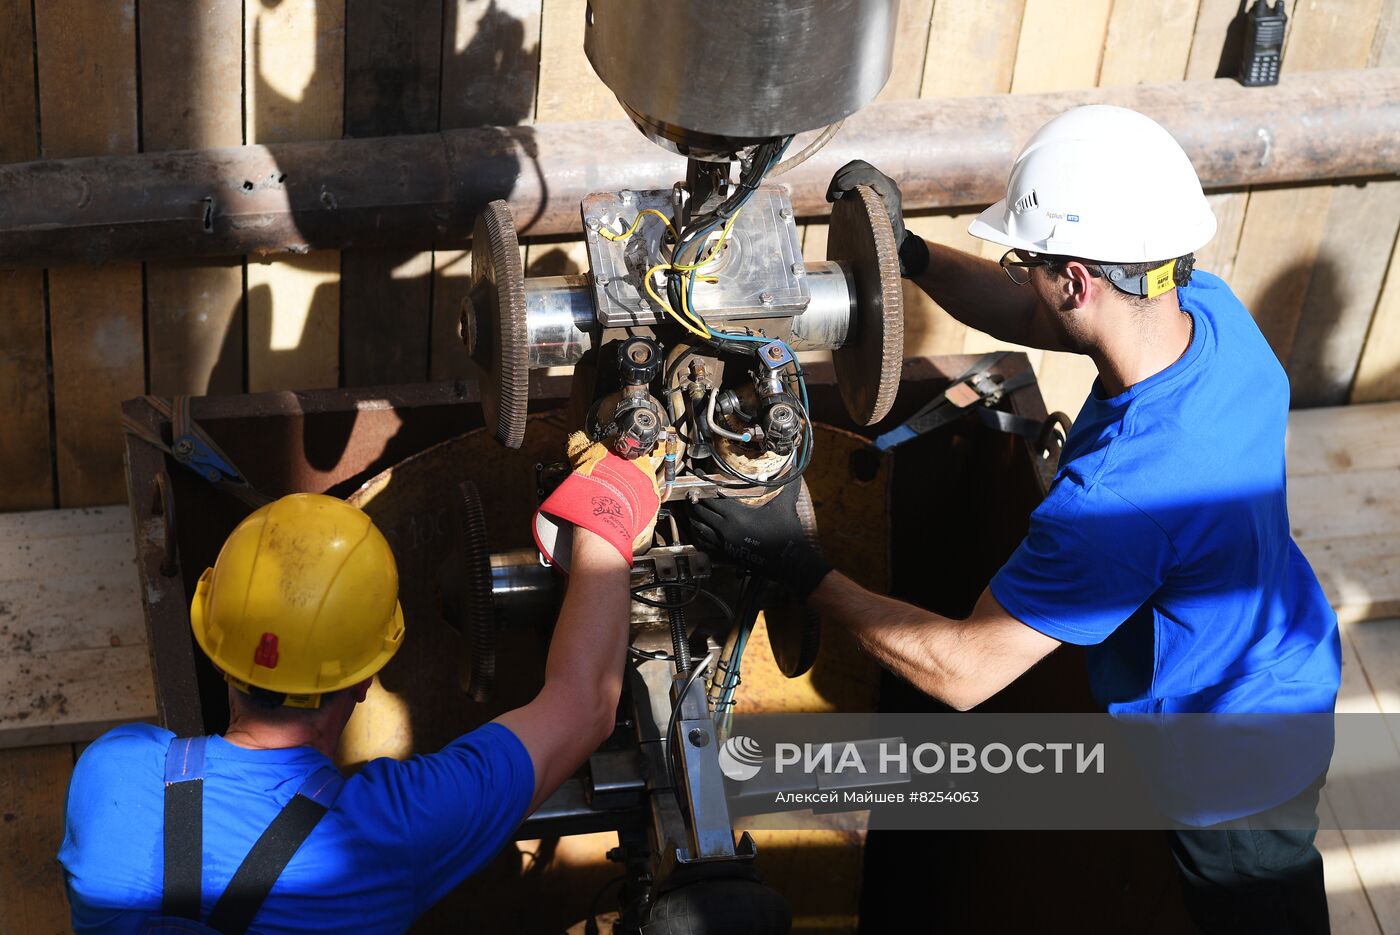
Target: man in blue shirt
(255, 830)
(1164, 543)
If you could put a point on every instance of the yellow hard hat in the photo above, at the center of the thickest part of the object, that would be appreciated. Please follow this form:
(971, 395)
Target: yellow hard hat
(302, 600)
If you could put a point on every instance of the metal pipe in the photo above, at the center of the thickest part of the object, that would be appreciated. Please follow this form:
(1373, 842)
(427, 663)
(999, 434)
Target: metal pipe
(414, 192)
(558, 317)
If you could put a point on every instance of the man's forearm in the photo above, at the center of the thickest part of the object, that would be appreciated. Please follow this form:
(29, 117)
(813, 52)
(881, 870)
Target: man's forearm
(976, 292)
(589, 645)
(960, 662)
(913, 643)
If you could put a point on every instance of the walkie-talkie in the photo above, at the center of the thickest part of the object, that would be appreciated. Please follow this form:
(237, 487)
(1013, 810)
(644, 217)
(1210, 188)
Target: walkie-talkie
(1263, 44)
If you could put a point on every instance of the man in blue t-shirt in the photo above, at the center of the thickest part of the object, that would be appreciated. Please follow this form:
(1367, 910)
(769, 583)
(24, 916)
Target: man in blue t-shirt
(256, 830)
(1164, 543)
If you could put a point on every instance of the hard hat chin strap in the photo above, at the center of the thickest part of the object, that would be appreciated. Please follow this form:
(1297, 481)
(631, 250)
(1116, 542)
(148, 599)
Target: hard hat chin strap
(1154, 281)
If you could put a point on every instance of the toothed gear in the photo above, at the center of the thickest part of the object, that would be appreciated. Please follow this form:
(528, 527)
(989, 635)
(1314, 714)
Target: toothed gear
(794, 630)
(501, 345)
(868, 367)
(468, 602)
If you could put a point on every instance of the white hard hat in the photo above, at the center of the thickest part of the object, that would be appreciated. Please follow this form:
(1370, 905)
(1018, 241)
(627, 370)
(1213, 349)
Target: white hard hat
(1102, 183)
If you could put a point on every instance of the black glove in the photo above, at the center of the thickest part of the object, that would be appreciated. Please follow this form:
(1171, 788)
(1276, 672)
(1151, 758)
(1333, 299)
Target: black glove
(913, 252)
(767, 540)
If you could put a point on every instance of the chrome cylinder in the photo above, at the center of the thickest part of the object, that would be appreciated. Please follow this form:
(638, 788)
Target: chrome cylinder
(740, 70)
(522, 590)
(558, 316)
(829, 320)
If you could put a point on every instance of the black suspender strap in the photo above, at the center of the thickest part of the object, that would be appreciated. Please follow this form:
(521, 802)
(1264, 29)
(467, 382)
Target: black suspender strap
(184, 827)
(254, 879)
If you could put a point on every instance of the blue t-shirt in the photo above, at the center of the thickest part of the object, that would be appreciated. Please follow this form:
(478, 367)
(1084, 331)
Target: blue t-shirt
(400, 836)
(1164, 543)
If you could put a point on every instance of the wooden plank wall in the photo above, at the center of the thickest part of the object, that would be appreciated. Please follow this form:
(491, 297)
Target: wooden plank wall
(80, 77)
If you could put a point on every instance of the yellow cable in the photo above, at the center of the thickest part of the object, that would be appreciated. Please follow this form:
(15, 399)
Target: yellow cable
(714, 251)
(633, 229)
(662, 304)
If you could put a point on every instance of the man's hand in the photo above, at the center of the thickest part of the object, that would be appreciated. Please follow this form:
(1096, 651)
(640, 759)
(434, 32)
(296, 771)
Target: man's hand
(913, 252)
(610, 496)
(767, 540)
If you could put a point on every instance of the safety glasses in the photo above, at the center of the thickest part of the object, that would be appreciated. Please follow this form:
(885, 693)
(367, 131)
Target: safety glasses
(1019, 263)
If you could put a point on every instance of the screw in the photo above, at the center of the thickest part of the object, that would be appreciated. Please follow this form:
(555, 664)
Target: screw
(601, 280)
(785, 213)
(184, 447)
(593, 223)
(798, 269)
(699, 737)
(766, 298)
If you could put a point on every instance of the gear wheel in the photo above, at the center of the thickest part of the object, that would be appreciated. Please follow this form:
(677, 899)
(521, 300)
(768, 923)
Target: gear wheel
(868, 368)
(794, 630)
(494, 327)
(468, 605)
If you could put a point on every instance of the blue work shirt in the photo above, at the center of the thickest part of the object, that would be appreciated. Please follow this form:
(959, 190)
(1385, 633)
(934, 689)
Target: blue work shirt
(400, 836)
(1164, 543)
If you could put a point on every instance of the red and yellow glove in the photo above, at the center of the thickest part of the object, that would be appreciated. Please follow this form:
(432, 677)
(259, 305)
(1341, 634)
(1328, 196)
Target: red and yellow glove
(605, 494)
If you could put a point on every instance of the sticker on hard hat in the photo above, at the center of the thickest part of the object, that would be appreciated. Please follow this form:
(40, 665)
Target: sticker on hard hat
(1072, 217)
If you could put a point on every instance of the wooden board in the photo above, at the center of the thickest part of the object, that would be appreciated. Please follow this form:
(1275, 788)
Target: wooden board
(1377, 374)
(1343, 491)
(1286, 229)
(194, 326)
(73, 657)
(1148, 41)
(1344, 438)
(24, 390)
(1061, 46)
(490, 62)
(490, 67)
(1378, 371)
(972, 47)
(569, 89)
(393, 60)
(1370, 674)
(97, 363)
(192, 98)
(910, 51)
(294, 70)
(33, 788)
(87, 103)
(1336, 310)
(294, 322)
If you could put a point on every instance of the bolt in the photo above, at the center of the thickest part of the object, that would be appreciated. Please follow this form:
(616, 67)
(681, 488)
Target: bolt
(184, 447)
(601, 281)
(775, 353)
(626, 195)
(644, 305)
(785, 213)
(593, 224)
(766, 298)
(798, 269)
(699, 737)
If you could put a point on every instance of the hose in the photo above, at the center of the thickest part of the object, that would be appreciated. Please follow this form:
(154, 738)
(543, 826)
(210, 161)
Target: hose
(808, 151)
(716, 427)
